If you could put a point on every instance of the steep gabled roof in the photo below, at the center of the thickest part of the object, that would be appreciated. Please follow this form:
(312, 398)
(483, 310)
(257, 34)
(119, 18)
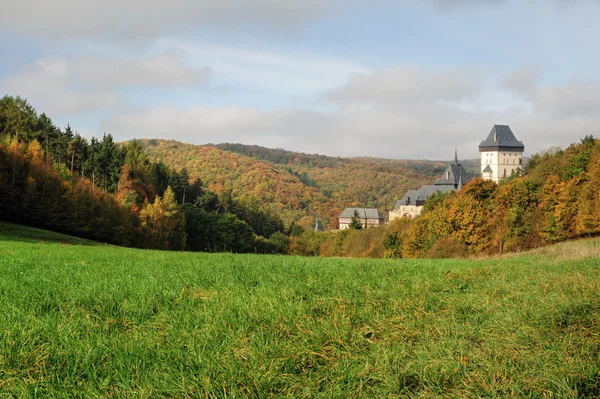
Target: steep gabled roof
(501, 138)
(488, 169)
(454, 174)
(409, 198)
(421, 195)
(427, 191)
(365, 213)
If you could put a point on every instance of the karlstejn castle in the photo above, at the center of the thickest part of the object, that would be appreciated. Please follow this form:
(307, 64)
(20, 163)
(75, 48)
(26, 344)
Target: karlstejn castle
(501, 155)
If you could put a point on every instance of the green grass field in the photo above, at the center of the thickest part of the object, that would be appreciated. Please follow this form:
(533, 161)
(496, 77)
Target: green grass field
(82, 319)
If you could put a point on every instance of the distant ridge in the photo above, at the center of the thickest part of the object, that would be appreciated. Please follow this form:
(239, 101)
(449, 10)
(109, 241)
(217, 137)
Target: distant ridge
(298, 186)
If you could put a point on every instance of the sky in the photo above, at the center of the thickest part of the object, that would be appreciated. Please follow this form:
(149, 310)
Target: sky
(383, 78)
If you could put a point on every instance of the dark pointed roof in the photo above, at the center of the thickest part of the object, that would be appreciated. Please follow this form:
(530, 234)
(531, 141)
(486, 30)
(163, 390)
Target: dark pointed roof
(453, 179)
(454, 174)
(501, 138)
(488, 169)
(319, 227)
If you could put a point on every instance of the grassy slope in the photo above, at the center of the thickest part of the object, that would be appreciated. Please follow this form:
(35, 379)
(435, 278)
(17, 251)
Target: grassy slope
(95, 320)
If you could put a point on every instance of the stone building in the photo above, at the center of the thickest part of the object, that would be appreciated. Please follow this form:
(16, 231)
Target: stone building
(501, 154)
(368, 217)
(412, 203)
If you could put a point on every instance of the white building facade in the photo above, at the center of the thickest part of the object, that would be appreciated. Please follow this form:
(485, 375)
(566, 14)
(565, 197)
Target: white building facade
(501, 154)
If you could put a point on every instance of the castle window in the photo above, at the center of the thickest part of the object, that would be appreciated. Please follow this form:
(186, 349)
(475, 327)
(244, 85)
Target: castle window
(504, 172)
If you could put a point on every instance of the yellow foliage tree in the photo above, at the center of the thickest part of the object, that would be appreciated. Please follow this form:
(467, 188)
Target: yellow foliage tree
(164, 223)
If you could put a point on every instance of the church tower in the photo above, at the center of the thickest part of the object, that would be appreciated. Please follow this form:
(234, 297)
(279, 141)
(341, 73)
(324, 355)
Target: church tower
(501, 154)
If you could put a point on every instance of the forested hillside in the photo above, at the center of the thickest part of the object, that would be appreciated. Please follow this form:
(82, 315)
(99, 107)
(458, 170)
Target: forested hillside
(56, 179)
(248, 179)
(365, 182)
(556, 199)
(297, 186)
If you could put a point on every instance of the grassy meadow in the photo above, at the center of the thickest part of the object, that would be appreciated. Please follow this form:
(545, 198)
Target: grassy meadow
(83, 319)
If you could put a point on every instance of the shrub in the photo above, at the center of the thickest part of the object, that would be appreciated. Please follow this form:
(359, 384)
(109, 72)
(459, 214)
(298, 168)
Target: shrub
(447, 247)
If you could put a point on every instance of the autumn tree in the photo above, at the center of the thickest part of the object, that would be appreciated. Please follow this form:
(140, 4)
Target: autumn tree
(163, 223)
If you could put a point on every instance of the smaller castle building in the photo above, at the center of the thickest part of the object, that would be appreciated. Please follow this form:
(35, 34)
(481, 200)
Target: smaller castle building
(368, 217)
(413, 201)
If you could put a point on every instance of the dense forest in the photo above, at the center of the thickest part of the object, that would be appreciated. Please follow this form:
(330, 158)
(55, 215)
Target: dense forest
(298, 187)
(56, 179)
(556, 198)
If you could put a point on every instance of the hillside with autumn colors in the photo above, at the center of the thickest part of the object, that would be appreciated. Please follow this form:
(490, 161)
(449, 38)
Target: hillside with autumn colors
(297, 186)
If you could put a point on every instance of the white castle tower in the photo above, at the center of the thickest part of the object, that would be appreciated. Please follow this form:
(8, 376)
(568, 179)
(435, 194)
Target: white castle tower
(501, 154)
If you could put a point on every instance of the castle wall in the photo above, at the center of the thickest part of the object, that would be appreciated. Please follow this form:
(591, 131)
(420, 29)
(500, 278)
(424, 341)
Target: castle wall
(502, 163)
(410, 211)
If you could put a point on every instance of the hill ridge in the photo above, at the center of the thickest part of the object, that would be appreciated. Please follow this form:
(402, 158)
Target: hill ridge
(300, 187)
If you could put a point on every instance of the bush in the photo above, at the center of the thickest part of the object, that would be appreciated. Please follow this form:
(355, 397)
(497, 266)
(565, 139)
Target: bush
(447, 247)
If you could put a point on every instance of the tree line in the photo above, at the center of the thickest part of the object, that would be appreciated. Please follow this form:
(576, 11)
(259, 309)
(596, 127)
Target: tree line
(56, 179)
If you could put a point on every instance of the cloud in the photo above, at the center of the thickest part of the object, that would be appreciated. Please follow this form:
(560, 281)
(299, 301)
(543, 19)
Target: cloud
(346, 132)
(134, 18)
(162, 70)
(293, 72)
(45, 83)
(574, 99)
(63, 86)
(523, 81)
(449, 4)
(408, 85)
(400, 122)
(192, 123)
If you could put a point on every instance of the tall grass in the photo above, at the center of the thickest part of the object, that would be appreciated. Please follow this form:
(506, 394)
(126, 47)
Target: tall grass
(83, 320)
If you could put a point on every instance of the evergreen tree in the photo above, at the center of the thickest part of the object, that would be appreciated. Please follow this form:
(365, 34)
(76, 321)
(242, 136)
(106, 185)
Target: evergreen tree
(355, 221)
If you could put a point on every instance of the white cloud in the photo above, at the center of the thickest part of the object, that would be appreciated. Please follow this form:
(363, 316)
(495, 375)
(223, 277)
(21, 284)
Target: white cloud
(162, 70)
(190, 124)
(390, 124)
(135, 18)
(45, 84)
(290, 72)
(574, 99)
(65, 86)
(350, 131)
(447, 4)
(408, 85)
(523, 80)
